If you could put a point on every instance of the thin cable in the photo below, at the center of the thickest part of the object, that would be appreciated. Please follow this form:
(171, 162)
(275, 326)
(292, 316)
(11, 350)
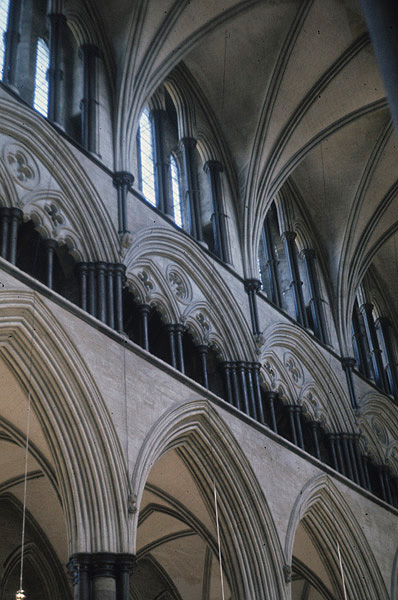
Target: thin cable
(218, 542)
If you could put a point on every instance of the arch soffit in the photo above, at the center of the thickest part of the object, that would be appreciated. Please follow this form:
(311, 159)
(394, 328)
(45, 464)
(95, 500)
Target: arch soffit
(192, 280)
(91, 476)
(291, 359)
(320, 500)
(194, 426)
(38, 139)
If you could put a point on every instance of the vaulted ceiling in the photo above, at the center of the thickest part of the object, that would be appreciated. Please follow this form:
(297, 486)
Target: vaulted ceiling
(293, 92)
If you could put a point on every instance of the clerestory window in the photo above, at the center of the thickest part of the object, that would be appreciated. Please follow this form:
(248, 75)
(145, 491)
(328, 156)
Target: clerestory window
(40, 98)
(176, 192)
(146, 159)
(4, 10)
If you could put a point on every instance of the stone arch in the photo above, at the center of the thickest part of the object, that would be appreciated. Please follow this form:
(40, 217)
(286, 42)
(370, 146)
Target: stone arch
(285, 342)
(378, 425)
(252, 544)
(91, 217)
(90, 476)
(328, 516)
(156, 245)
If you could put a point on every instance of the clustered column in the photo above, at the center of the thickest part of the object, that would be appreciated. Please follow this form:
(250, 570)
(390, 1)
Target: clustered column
(101, 287)
(271, 263)
(55, 72)
(123, 181)
(348, 363)
(318, 319)
(158, 117)
(101, 575)
(175, 333)
(10, 218)
(90, 54)
(188, 145)
(242, 387)
(11, 40)
(296, 284)
(375, 351)
(252, 286)
(213, 168)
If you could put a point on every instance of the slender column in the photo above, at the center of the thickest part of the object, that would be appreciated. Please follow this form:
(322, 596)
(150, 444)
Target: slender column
(250, 389)
(192, 187)
(385, 327)
(144, 310)
(5, 225)
(332, 444)
(82, 272)
(361, 470)
(241, 367)
(359, 345)
(339, 453)
(123, 182)
(271, 396)
(271, 263)
(226, 367)
(15, 220)
(347, 457)
(202, 351)
(172, 344)
(213, 168)
(350, 442)
(179, 330)
(55, 72)
(103, 576)
(382, 21)
(296, 284)
(365, 460)
(387, 486)
(375, 351)
(110, 300)
(89, 104)
(92, 305)
(348, 363)
(313, 425)
(79, 567)
(161, 162)
(316, 304)
(50, 245)
(119, 275)
(290, 411)
(235, 386)
(125, 564)
(257, 392)
(12, 38)
(252, 286)
(381, 481)
(299, 429)
(101, 268)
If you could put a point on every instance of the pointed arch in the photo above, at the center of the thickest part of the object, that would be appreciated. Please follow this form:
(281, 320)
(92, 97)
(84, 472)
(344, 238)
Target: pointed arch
(252, 544)
(326, 513)
(91, 477)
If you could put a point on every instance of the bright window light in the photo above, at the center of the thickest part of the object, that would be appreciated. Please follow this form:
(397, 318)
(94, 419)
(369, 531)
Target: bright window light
(4, 8)
(40, 100)
(146, 158)
(175, 192)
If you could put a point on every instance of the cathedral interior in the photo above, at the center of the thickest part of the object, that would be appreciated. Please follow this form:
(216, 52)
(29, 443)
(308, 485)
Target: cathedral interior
(198, 300)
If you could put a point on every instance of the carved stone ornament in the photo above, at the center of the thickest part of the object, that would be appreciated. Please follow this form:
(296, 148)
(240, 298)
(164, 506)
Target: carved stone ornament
(55, 216)
(271, 373)
(146, 281)
(294, 369)
(380, 431)
(204, 324)
(21, 166)
(179, 284)
(287, 572)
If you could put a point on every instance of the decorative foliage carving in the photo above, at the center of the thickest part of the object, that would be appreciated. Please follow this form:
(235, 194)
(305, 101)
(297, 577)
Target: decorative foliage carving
(312, 407)
(293, 368)
(146, 281)
(179, 284)
(21, 166)
(271, 373)
(204, 324)
(55, 215)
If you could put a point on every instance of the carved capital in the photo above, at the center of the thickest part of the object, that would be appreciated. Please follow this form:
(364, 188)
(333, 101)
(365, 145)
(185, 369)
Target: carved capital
(123, 178)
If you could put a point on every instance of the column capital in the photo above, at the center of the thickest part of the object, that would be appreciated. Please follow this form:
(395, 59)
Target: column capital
(213, 165)
(203, 349)
(366, 307)
(50, 243)
(252, 285)
(348, 362)
(383, 322)
(123, 178)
